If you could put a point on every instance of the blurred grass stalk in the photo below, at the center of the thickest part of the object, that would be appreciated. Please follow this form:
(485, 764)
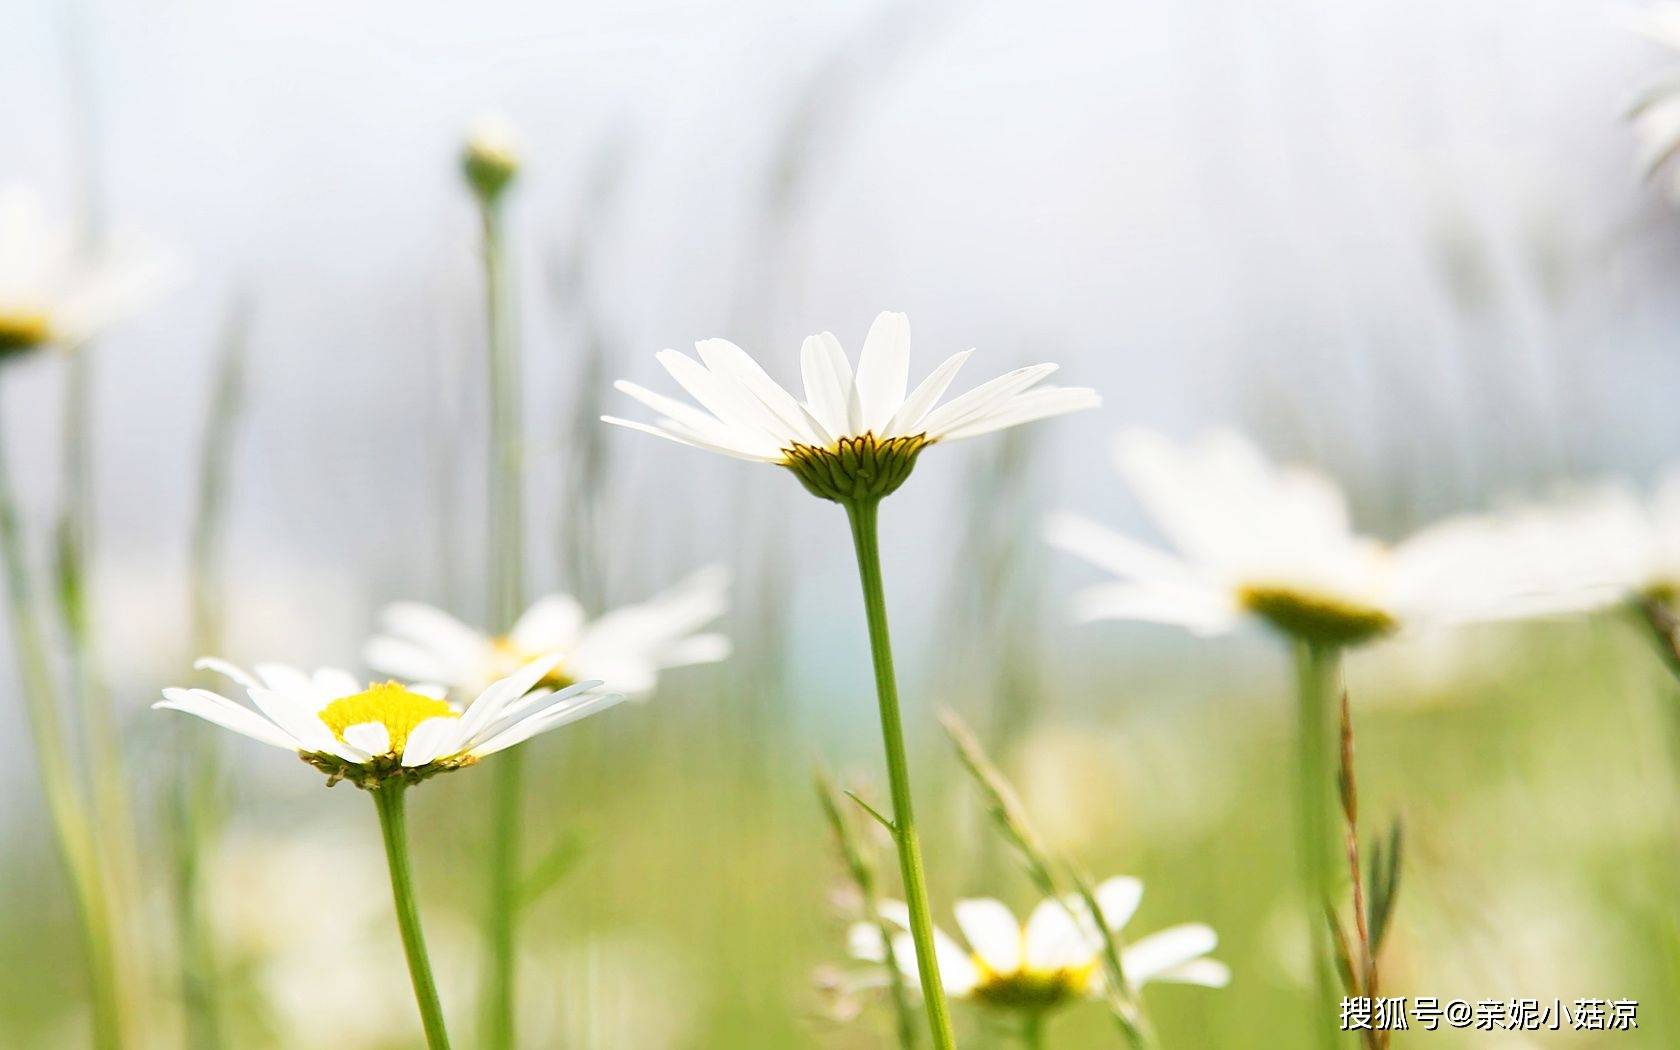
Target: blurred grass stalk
(67, 804)
(196, 812)
(1317, 670)
(1056, 877)
(860, 865)
(116, 850)
(489, 168)
(1372, 906)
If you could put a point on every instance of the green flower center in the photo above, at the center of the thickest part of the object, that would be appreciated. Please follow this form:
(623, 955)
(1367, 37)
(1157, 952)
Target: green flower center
(856, 468)
(1315, 618)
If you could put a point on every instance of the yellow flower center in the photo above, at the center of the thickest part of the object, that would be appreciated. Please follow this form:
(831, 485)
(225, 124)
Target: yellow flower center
(397, 709)
(1315, 617)
(23, 331)
(1032, 989)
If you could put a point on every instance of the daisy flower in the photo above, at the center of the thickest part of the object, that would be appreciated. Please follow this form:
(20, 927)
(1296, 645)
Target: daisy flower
(1258, 541)
(626, 648)
(857, 434)
(1053, 959)
(370, 734)
(49, 296)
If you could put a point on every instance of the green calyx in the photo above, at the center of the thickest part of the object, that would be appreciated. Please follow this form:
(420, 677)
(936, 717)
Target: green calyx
(1316, 619)
(377, 772)
(856, 468)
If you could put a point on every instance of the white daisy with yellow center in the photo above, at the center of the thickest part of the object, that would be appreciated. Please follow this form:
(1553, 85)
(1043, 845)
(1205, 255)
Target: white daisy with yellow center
(626, 648)
(368, 734)
(1274, 543)
(49, 295)
(856, 435)
(1052, 960)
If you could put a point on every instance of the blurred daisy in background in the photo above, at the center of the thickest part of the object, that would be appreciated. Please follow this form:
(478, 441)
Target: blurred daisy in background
(856, 435)
(50, 295)
(1258, 541)
(373, 733)
(626, 648)
(1051, 961)
(1656, 114)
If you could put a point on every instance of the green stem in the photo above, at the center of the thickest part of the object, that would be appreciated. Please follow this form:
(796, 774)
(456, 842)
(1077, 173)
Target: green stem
(1032, 1031)
(506, 564)
(388, 799)
(863, 516)
(1317, 668)
(197, 812)
(71, 822)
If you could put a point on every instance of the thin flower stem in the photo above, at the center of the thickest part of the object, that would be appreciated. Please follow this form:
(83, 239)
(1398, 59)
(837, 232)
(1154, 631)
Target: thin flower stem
(1317, 669)
(393, 827)
(1032, 1032)
(864, 518)
(65, 802)
(506, 565)
(197, 811)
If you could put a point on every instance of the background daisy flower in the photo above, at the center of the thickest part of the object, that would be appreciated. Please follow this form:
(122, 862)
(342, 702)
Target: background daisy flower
(370, 733)
(626, 648)
(49, 294)
(1259, 541)
(1054, 958)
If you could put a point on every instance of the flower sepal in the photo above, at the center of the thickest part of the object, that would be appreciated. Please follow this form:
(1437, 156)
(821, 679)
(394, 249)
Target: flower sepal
(380, 769)
(856, 469)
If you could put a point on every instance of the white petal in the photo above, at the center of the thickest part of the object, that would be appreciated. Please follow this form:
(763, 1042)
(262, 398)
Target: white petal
(956, 970)
(724, 357)
(413, 662)
(430, 739)
(883, 370)
(551, 624)
(1119, 898)
(297, 716)
(227, 714)
(723, 398)
(226, 670)
(754, 453)
(682, 413)
(908, 419)
(289, 680)
(1209, 973)
(992, 931)
(503, 692)
(1150, 956)
(964, 408)
(549, 718)
(1120, 555)
(372, 737)
(1055, 941)
(434, 629)
(828, 385)
(864, 941)
(335, 683)
(1025, 408)
(1204, 611)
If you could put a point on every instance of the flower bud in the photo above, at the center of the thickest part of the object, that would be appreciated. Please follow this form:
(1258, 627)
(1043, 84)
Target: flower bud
(490, 159)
